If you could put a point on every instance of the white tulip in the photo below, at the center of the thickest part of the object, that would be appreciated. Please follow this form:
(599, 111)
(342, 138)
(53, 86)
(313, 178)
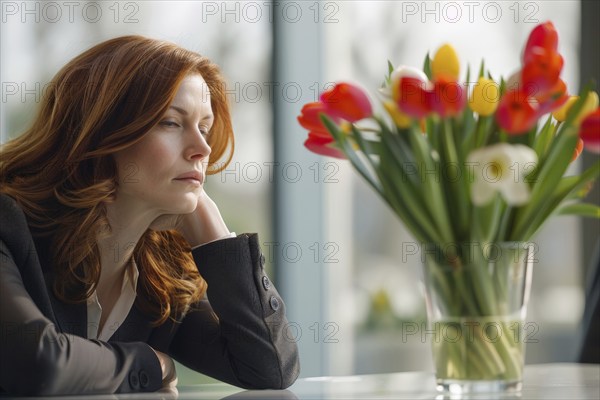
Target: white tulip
(399, 73)
(411, 72)
(501, 168)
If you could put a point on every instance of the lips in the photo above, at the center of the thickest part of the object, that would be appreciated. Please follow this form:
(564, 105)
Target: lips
(194, 175)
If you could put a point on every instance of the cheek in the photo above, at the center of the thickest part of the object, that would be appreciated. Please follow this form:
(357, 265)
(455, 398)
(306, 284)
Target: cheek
(147, 162)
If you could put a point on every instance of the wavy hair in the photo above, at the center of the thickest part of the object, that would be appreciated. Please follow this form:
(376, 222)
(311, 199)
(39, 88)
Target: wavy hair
(61, 170)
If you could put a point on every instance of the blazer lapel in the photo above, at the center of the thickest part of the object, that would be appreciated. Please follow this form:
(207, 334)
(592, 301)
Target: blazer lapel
(71, 318)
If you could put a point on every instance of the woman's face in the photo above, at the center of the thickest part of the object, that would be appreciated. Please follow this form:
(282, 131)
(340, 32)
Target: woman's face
(151, 171)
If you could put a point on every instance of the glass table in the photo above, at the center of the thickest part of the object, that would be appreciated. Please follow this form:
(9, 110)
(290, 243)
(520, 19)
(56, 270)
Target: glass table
(541, 381)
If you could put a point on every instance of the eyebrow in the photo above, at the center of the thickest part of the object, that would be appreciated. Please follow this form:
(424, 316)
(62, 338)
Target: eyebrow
(184, 112)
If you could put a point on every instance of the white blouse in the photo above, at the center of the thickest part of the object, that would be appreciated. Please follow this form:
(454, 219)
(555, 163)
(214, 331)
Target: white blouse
(119, 311)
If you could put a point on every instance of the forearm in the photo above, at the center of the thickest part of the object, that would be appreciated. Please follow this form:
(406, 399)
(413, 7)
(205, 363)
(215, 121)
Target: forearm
(247, 346)
(36, 359)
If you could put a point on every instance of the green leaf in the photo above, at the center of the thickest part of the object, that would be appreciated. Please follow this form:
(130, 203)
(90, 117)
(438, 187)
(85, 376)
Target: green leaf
(366, 146)
(575, 108)
(404, 161)
(501, 87)
(544, 138)
(401, 185)
(481, 69)
(458, 189)
(492, 132)
(435, 199)
(531, 135)
(485, 220)
(398, 168)
(433, 132)
(427, 66)
(467, 119)
(410, 206)
(552, 170)
(388, 76)
(347, 148)
(565, 190)
(581, 209)
(467, 82)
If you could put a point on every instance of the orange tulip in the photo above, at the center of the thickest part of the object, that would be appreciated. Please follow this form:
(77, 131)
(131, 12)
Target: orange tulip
(448, 97)
(347, 101)
(323, 146)
(577, 150)
(309, 118)
(516, 114)
(589, 131)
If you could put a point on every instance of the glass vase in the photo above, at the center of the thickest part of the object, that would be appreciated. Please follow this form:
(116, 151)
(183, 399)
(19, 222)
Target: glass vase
(476, 295)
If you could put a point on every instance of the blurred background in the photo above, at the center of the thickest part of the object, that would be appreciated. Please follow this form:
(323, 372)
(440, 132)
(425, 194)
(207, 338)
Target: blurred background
(340, 258)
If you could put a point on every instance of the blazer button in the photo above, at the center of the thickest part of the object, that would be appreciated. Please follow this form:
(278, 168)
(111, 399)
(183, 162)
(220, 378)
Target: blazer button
(266, 282)
(274, 303)
(262, 260)
(144, 379)
(134, 380)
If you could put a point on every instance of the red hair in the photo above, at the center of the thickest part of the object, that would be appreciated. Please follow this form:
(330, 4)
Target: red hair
(61, 170)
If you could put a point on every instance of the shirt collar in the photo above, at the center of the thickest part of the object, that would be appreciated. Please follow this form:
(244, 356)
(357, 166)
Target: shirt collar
(131, 276)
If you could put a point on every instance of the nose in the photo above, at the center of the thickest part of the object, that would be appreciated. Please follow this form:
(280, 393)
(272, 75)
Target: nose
(197, 146)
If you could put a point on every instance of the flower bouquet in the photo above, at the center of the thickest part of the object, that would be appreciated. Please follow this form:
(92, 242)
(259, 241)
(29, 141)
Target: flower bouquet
(473, 169)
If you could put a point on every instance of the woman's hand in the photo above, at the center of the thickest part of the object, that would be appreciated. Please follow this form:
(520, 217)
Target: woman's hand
(204, 224)
(169, 374)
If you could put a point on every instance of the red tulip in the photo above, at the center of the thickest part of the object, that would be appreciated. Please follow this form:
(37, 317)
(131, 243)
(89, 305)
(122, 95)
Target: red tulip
(542, 70)
(310, 120)
(516, 113)
(543, 36)
(590, 131)
(448, 97)
(552, 99)
(414, 99)
(319, 145)
(347, 101)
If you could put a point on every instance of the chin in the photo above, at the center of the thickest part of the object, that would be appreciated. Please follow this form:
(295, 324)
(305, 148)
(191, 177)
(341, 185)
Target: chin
(188, 203)
(179, 204)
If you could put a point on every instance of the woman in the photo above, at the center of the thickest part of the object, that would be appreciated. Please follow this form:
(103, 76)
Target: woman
(101, 202)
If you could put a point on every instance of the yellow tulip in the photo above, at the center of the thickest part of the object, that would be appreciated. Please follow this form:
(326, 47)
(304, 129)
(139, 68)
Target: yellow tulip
(561, 113)
(485, 97)
(445, 62)
(400, 119)
(591, 103)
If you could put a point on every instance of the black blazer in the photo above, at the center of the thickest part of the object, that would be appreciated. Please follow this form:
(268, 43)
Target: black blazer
(43, 345)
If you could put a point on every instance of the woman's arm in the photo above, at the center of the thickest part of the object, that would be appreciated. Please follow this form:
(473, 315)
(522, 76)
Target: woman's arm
(36, 359)
(241, 336)
(205, 224)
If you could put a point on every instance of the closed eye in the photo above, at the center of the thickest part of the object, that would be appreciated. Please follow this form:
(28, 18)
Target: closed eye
(205, 132)
(170, 124)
